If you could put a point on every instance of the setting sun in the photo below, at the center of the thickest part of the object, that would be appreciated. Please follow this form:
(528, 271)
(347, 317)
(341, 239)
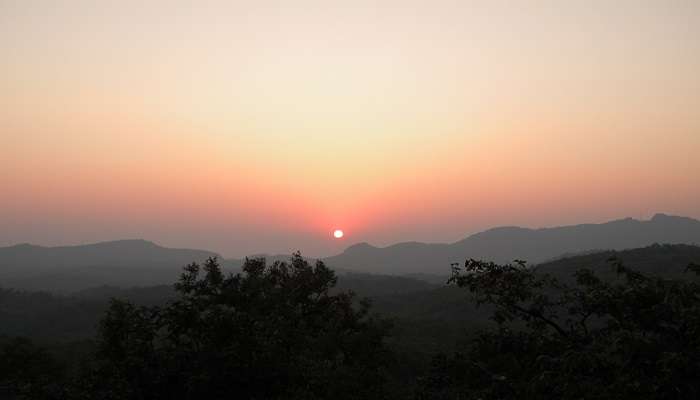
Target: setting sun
(190, 158)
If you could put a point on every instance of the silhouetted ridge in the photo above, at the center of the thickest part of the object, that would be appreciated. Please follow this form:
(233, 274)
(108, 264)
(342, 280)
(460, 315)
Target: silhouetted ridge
(498, 232)
(505, 244)
(360, 247)
(118, 263)
(662, 217)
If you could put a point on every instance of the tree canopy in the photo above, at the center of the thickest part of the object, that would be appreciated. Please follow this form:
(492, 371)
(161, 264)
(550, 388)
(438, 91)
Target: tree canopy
(272, 331)
(637, 337)
(285, 331)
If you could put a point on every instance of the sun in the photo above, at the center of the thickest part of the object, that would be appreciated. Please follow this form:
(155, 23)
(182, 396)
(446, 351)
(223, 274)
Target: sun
(338, 234)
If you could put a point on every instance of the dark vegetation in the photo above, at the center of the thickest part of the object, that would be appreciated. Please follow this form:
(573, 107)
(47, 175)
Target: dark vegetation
(638, 338)
(607, 325)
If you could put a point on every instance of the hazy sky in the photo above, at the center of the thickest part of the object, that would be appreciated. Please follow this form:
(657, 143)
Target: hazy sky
(247, 127)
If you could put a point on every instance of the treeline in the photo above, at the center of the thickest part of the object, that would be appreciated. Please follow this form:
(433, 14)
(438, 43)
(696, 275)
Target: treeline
(285, 331)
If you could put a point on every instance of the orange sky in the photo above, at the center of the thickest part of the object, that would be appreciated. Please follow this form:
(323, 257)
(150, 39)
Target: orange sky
(247, 127)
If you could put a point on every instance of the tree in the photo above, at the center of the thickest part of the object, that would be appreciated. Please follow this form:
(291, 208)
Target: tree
(29, 372)
(273, 331)
(635, 337)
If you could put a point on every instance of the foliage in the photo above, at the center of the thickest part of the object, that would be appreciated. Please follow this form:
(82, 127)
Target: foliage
(28, 371)
(634, 338)
(286, 330)
(273, 331)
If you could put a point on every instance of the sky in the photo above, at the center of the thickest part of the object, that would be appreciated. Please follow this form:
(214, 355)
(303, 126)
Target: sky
(250, 127)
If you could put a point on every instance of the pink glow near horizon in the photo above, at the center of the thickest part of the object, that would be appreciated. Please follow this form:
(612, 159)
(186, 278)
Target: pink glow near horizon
(248, 127)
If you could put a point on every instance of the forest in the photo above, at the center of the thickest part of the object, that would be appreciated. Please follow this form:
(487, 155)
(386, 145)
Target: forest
(591, 326)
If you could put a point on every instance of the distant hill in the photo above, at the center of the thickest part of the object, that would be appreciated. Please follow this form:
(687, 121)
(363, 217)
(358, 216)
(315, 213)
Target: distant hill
(666, 261)
(508, 243)
(431, 317)
(116, 264)
(69, 268)
(128, 263)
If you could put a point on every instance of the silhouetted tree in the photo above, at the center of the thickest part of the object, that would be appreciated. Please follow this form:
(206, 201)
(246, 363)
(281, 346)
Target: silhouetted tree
(273, 331)
(28, 372)
(636, 337)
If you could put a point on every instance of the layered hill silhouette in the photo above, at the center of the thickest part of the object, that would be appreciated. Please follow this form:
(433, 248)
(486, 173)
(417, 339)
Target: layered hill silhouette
(506, 244)
(68, 268)
(421, 310)
(128, 263)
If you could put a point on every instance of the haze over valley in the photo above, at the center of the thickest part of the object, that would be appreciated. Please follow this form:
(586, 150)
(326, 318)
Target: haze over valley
(128, 263)
(349, 199)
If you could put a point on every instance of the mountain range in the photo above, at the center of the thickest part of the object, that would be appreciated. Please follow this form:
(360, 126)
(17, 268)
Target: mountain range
(506, 244)
(430, 316)
(121, 263)
(129, 263)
